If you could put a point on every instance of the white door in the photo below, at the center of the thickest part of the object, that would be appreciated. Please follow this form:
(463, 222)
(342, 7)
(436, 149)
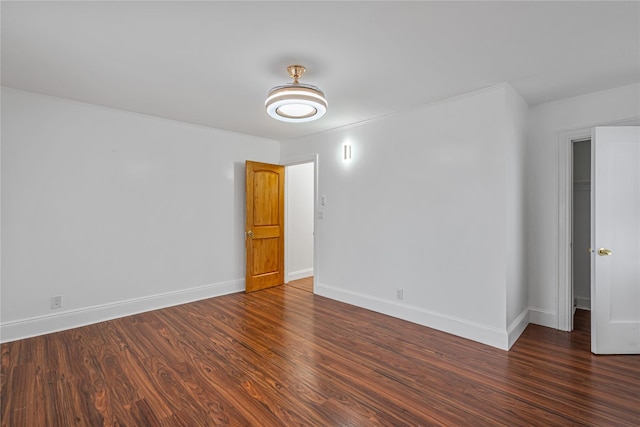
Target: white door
(615, 234)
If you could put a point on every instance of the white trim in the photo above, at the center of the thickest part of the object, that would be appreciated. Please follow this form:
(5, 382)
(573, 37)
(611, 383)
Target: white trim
(541, 317)
(484, 334)
(564, 320)
(287, 227)
(25, 328)
(300, 274)
(583, 303)
(311, 158)
(565, 212)
(517, 327)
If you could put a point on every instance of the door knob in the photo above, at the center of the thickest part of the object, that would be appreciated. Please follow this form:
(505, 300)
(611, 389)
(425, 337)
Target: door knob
(250, 233)
(604, 252)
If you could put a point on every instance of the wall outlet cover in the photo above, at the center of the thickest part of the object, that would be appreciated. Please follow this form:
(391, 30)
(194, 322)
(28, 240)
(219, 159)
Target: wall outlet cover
(56, 302)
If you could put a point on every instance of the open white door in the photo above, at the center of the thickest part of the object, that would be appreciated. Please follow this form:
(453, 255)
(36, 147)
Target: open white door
(615, 234)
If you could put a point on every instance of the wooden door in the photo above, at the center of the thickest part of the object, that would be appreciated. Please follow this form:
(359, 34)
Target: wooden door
(615, 221)
(264, 230)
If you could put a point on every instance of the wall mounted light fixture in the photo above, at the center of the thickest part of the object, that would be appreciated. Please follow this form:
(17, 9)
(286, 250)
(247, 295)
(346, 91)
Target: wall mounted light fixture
(346, 152)
(296, 102)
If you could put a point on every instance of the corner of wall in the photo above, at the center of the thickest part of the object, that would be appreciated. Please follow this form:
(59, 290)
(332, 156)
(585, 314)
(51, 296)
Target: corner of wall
(517, 294)
(513, 93)
(517, 327)
(542, 317)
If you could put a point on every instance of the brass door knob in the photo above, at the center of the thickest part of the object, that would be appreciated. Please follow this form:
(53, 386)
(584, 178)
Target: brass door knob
(250, 234)
(604, 252)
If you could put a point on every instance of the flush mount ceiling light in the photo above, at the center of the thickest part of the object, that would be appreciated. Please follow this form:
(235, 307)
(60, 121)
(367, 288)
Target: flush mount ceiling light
(296, 102)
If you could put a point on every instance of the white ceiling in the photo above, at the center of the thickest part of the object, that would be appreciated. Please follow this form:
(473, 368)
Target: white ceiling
(212, 63)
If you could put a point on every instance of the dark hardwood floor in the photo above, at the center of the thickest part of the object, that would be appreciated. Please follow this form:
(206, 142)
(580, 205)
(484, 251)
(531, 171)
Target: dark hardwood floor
(288, 357)
(304, 284)
(582, 321)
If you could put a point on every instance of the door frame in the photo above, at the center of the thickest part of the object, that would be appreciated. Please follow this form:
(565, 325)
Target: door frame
(565, 216)
(312, 158)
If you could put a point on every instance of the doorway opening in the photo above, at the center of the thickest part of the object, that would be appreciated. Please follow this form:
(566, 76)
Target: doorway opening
(581, 228)
(300, 226)
(566, 140)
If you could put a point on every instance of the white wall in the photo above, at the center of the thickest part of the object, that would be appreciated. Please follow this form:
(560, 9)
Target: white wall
(516, 111)
(299, 233)
(546, 124)
(424, 205)
(116, 212)
(120, 212)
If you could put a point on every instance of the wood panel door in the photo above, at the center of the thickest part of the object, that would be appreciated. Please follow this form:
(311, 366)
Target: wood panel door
(264, 230)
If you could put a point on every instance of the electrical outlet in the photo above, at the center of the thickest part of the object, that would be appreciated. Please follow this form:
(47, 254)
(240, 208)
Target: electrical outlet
(400, 294)
(56, 302)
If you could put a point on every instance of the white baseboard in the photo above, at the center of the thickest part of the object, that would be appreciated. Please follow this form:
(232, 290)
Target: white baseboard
(517, 327)
(25, 328)
(541, 317)
(583, 303)
(474, 331)
(300, 274)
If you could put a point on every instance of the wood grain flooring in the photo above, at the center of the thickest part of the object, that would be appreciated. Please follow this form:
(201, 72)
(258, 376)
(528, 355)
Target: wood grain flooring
(304, 284)
(283, 356)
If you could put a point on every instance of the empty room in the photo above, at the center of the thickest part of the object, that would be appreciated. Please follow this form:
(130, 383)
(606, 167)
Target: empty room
(322, 213)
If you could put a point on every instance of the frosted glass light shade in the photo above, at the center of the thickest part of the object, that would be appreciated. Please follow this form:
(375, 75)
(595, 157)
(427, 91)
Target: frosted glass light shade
(296, 103)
